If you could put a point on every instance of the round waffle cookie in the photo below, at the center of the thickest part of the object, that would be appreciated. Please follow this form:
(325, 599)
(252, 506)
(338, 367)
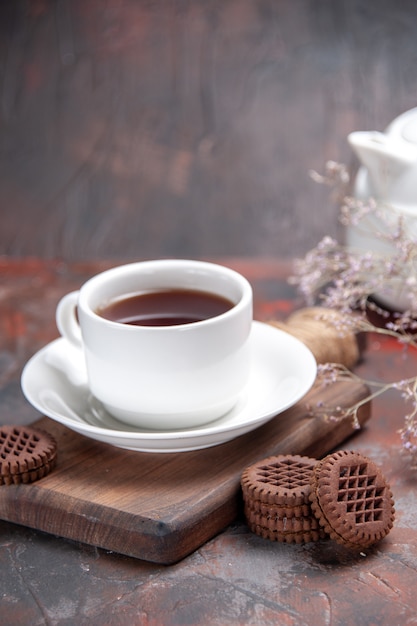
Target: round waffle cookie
(26, 454)
(351, 499)
(276, 499)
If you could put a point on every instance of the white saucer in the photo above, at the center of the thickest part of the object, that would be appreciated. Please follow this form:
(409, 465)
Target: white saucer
(283, 371)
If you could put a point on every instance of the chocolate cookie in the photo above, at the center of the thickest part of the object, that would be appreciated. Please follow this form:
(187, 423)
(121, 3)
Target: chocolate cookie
(285, 528)
(351, 499)
(276, 494)
(26, 454)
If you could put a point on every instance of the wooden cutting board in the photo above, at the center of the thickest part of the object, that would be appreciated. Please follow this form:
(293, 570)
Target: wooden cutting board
(161, 507)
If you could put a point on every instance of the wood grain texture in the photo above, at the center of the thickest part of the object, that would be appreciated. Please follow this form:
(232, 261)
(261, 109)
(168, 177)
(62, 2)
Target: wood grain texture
(161, 507)
(162, 128)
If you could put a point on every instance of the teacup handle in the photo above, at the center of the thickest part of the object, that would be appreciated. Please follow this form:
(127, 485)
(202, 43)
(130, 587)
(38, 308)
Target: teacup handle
(66, 319)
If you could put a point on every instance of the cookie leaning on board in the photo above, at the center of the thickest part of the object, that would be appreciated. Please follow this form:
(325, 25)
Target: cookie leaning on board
(26, 454)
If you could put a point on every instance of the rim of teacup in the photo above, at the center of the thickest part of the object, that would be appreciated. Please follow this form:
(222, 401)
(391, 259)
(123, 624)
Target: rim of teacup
(129, 270)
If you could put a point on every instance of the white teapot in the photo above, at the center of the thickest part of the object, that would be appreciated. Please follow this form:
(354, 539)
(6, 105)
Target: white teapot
(388, 174)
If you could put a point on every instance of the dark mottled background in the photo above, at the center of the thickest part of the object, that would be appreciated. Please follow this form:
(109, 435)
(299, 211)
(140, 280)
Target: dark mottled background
(138, 128)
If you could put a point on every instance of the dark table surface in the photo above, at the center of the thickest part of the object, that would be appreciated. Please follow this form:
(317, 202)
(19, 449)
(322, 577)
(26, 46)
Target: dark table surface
(237, 577)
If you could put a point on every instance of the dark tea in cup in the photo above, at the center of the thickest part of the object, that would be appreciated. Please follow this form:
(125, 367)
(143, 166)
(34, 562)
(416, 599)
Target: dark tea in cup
(166, 307)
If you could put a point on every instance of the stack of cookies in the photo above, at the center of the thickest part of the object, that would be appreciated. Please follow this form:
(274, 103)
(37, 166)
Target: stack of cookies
(26, 454)
(296, 499)
(276, 493)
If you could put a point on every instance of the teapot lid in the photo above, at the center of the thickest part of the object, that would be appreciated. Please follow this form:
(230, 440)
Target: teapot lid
(405, 126)
(409, 132)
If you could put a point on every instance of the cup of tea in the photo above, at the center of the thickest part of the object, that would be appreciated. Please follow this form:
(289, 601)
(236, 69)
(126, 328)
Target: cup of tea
(166, 342)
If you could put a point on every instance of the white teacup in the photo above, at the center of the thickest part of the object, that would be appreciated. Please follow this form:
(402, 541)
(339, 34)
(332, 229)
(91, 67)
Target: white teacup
(169, 376)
